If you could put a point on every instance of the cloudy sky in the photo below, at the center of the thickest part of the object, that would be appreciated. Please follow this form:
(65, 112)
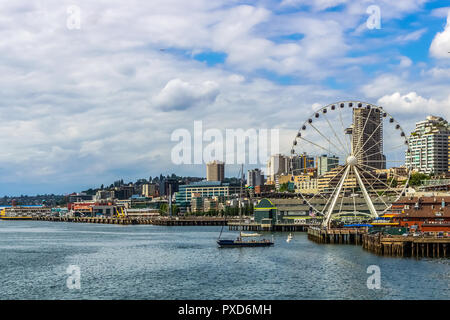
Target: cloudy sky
(91, 91)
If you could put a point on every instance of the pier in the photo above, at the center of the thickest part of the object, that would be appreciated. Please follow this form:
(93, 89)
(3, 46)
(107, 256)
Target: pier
(400, 246)
(337, 235)
(191, 221)
(104, 220)
(160, 221)
(278, 227)
(383, 244)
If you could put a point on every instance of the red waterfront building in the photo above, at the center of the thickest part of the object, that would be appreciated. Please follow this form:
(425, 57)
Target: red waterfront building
(427, 214)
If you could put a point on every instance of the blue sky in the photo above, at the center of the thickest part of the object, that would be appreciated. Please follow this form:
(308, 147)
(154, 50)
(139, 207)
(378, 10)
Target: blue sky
(86, 106)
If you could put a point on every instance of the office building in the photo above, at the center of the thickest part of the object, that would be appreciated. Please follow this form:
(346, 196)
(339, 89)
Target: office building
(215, 171)
(203, 189)
(167, 184)
(276, 165)
(255, 178)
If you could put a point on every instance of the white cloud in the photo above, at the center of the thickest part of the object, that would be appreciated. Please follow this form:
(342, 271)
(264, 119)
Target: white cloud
(180, 95)
(405, 62)
(414, 104)
(315, 4)
(382, 85)
(412, 36)
(441, 12)
(440, 47)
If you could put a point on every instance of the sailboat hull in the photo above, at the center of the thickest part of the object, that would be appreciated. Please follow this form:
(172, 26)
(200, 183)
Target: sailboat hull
(241, 244)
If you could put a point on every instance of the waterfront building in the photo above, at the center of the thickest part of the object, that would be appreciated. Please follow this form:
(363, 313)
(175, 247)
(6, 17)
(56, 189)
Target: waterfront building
(367, 137)
(429, 146)
(25, 211)
(142, 213)
(326, 163)
(255, 178)
(206, 189)
(215, 171)
(425, 214)
(271, 211)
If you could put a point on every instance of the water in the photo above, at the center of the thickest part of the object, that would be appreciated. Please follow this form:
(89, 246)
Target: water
(154, 262)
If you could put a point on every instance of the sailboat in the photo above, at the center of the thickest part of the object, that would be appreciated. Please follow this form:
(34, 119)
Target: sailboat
(240, 242)
(289, 238)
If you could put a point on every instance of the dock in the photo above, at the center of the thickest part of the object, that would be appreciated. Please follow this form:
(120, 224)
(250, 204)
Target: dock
(160, 221)
(337, 235)
(191, 221)
(278, 227)
(400, 246)
(103, 220)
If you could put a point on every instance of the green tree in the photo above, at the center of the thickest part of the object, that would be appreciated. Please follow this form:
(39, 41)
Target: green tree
(393, 182)
(417, 178)
(284, 187)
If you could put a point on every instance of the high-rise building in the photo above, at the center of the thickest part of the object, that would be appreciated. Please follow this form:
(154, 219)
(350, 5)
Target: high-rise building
(255, 178)
(326, 163)
(276, 165)
(299, 164)
(166, 185)
(215, 171)
(429, 146)
(367, 138)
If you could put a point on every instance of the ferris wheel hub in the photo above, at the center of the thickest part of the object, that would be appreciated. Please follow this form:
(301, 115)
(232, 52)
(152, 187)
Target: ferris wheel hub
(352, 161)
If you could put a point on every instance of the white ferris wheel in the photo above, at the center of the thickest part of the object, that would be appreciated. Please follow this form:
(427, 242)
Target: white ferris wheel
(349, 160)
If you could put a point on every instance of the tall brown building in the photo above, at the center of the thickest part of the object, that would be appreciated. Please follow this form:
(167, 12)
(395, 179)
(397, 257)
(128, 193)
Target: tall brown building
(367, 137)
(215, 171)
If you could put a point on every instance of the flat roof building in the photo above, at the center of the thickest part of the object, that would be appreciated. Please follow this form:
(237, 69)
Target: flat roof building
(204, 189)
(215, 171)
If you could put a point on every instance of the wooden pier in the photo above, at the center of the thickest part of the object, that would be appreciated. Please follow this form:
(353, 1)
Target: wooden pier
(160, 221)
(399, 246)
(191, 221)
(104, 220)
(237, 226)
(337, 235)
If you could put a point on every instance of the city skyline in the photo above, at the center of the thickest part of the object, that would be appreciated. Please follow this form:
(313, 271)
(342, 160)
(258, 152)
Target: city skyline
(88, 105)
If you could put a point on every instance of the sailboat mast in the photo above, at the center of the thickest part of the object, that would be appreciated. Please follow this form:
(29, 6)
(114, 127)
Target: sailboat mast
(240, 200)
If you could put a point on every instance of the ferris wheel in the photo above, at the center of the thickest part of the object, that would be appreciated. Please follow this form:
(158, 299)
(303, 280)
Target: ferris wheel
(348, 162)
